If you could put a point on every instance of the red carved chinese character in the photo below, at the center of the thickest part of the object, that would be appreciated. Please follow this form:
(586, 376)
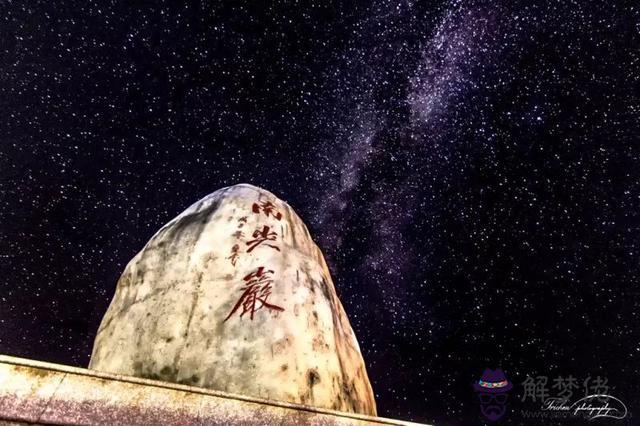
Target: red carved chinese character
(256, 291)
(268, 208)
(262, 236)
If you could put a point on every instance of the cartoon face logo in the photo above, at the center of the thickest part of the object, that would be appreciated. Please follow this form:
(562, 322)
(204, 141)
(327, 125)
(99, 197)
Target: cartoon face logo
(492, 393)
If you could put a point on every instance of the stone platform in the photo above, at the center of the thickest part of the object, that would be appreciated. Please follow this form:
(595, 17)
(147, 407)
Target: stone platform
(34, 392)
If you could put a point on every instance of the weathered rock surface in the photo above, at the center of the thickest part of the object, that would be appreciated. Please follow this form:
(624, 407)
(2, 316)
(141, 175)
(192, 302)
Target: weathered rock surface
(234, 295)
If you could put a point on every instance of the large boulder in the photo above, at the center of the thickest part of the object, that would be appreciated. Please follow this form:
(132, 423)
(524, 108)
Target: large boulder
(234, 295)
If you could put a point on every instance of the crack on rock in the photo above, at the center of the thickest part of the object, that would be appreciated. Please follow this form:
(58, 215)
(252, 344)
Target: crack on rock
(46, 404)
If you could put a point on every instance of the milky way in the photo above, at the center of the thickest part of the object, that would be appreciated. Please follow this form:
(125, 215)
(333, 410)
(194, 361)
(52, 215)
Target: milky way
(469, 169)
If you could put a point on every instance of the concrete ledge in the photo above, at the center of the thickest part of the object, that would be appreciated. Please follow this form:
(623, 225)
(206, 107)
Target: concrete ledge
(44, 393)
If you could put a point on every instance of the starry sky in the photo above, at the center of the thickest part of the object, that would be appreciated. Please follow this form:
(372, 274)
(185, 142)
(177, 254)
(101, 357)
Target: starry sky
(469, 169)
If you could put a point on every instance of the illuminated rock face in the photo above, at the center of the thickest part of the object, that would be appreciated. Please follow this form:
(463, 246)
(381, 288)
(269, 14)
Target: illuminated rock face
(234, 295)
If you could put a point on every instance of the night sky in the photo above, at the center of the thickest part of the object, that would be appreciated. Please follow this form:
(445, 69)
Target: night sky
(469, 169)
